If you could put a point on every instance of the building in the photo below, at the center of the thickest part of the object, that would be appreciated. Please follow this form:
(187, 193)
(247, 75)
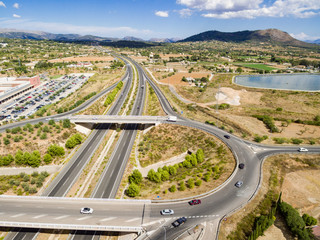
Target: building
(11, 87)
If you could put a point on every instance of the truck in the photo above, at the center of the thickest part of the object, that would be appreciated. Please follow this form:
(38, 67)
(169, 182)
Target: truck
(172, 119)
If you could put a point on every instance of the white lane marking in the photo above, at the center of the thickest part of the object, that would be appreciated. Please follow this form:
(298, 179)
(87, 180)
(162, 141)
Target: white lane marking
(1, 213)
(64, 216)
(107, 219)
(133, 219)
(83, 218)
(40, 216)
(18, 215)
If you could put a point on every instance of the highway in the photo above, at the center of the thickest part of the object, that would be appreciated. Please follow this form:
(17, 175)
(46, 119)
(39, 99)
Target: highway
(216, 205)
(70, 173)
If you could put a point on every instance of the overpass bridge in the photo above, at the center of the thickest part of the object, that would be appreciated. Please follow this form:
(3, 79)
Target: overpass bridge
(82, 119)
(64, 213)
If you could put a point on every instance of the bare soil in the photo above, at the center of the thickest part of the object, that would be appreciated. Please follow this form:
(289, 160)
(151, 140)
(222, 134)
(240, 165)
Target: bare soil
(83, 59)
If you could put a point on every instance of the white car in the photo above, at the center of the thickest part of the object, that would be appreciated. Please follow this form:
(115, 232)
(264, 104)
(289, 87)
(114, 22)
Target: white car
(239, 184)
(166, 212)
(303, 150)
(86, 210)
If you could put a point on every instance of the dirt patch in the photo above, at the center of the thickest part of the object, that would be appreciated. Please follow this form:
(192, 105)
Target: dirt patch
(301, 189)
(176, 79)
(272, 233)
(83, 59)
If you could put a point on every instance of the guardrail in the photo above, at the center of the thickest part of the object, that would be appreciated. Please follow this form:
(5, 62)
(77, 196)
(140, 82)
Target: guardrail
(75, 199)
(71, 227)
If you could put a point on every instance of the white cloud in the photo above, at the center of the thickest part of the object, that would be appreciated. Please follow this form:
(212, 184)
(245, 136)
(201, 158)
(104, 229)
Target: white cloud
(2, 4)
(162, 13)
(16, 16)
(186, 12)
(302, 36)
(54, 27)
(16, 5)
(226, 9)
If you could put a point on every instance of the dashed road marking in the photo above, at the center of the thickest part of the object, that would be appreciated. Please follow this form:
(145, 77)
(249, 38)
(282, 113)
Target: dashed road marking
(83, 218)
(40, 216)
(133, 219)
(64, 216)
(18, 215)
(107, 219)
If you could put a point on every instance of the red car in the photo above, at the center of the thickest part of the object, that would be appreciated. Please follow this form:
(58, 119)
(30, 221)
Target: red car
(195, 202)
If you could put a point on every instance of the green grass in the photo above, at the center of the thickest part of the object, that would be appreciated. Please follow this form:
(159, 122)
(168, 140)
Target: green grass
(258, 66)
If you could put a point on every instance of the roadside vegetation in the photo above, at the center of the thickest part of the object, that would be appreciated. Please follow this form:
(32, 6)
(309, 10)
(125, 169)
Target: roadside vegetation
(22, 184)
(206, 166)
(261, 211)
(38, 144)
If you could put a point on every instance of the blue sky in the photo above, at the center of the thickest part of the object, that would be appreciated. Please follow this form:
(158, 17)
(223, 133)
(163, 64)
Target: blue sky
(161, 18)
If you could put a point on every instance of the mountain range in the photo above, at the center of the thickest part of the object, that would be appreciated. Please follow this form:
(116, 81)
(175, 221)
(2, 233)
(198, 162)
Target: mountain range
(268, 35)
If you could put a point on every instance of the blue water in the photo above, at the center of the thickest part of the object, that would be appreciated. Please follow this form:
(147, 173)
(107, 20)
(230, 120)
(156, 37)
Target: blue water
(303, 82)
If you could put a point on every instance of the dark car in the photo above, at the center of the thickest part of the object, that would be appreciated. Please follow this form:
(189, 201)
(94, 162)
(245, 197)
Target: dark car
(195, 202)
(227, 136)
(179, 222)
(241, 165)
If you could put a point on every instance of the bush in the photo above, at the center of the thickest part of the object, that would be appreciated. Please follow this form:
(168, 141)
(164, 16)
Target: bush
(135, 177)
(73, 141)
(198, 183)
(190, 183)
(55, 150)
(133, 190)
(296, 141)
(173, 188)
(309, 220)
(47, 158)
(66, 123)
(182, 186)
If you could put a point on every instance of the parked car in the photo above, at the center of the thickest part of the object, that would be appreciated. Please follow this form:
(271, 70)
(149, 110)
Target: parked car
(239, 184)
(167, 212)
(303, 150)
(241, 165)
(195, 202)
(86, 210)
(179, 222)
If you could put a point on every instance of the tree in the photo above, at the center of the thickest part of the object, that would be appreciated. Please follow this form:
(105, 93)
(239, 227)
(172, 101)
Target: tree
(173, 188)
(309, 220)
(135, 177)
(133, 190)
(190, 183)
(66, 123)
(55, 150)
(200, 155)
(172, 170)
(19, 157)
(165, 176)
(47, 158)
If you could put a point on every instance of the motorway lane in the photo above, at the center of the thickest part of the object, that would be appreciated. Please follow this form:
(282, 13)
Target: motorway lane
(76, 164)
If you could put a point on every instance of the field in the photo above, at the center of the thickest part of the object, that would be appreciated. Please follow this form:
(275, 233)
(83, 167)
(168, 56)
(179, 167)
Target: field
(258, 66)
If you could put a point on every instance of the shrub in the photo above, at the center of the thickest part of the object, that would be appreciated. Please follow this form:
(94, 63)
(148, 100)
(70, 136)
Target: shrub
(47, 158)
(198, 183)
(173, 188)
(182, 186)
(190, 183)
(133, 190)
(73, 141)
(135, 177)
(55, 150)
(296, 141)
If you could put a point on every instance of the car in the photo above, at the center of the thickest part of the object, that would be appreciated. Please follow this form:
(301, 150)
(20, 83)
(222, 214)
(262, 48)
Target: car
(195, 202)
(86, 210)
(303, 150)
(241, 165)
(239, 184)
(179, 222)
(227, 136)
(167, 212)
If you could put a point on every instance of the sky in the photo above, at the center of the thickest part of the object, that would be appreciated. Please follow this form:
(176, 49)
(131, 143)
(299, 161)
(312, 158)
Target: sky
(161, 18)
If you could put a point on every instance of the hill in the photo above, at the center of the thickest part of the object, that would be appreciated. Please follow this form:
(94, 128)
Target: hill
(268, 35)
